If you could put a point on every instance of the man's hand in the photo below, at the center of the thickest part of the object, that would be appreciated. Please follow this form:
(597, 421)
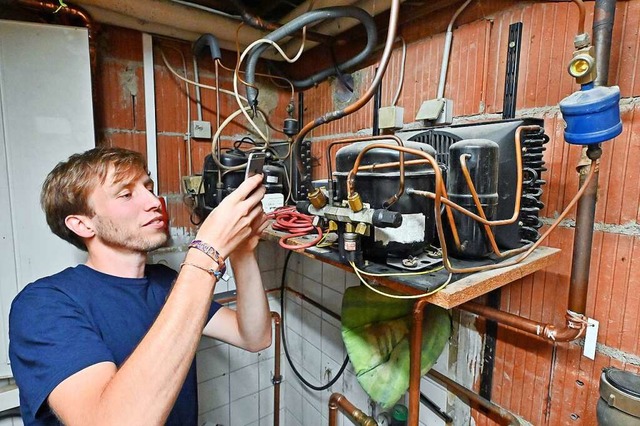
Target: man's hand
(238, 218)
(257, 226)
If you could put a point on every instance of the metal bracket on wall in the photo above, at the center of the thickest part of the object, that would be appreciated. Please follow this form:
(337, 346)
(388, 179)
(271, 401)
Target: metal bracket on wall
(511, 74)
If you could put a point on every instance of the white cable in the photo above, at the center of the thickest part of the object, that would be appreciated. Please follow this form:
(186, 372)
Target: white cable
(235, 74)
(402, 64)
(228, 92)
(204, 86)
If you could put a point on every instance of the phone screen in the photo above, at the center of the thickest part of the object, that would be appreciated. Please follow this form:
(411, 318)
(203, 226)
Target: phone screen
(254, 164)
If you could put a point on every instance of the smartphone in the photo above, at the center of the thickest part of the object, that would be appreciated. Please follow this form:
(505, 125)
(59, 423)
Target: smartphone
(255, 163)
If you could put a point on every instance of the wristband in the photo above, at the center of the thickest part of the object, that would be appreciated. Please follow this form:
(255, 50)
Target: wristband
(211, 252)
(217, 274)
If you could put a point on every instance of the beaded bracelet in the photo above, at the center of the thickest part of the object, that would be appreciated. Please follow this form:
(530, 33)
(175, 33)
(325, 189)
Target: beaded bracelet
(211, 252)
(215, 273)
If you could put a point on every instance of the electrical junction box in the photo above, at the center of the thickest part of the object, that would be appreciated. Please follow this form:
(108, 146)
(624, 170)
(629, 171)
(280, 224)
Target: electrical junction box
(193, 185)
(436, 111)
(391, 117)
(200, 129)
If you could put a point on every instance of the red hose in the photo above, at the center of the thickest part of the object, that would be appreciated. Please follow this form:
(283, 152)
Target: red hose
(297, 224)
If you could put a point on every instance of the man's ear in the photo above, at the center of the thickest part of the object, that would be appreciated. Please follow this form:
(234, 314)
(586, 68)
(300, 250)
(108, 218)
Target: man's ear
(81, 225)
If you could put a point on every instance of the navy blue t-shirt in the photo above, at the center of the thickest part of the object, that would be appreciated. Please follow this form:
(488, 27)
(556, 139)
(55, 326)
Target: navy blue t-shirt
(61, 324)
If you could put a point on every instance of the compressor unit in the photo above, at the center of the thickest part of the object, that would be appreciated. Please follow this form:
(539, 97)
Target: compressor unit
(379, 217)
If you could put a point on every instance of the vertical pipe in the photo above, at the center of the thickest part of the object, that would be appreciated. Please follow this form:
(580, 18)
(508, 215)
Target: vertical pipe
(377, 99)
(414, 361)
(196, 78)
(216, 64)
(585, 214)
(277, 378)
(150, 107)
(604, 14)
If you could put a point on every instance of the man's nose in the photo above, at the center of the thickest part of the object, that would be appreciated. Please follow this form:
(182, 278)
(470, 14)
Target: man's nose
(152, 202)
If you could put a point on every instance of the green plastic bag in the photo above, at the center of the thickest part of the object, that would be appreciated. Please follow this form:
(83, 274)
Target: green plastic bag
(376, 331)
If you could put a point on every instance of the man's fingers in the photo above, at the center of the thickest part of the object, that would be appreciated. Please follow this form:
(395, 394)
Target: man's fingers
(246, 187)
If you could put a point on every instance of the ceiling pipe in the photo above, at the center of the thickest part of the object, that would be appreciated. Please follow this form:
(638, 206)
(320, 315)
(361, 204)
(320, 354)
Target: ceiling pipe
(299, 23)
(372, 7)
(174, 19)
(110, 17)
(256, 22)
(176, 15)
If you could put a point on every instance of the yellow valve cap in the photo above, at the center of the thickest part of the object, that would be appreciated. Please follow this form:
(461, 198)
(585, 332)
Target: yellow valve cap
(580, 65)
(361, 228)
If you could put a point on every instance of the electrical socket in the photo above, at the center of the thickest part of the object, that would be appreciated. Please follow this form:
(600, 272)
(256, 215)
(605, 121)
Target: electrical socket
(201, 129)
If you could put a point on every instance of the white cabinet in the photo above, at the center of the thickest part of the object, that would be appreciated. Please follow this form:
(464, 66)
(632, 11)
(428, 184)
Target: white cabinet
(45, 115)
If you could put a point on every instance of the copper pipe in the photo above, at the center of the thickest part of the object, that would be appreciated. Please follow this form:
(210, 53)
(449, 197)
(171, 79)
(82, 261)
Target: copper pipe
(582, 14)
(603, 18)
(384, 61)
(340, 402)
(438, 203)
(277, 377)
(460, 390)
(260, 24)
(583, 237)
(575, 327)
(476, 201)
(352, 174)
(415, 357)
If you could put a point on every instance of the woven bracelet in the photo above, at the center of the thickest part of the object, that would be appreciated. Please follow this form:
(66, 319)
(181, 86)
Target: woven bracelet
(211, 252)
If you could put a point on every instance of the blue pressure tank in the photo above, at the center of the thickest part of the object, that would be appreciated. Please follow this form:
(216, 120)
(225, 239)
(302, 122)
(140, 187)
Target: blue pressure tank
(592, 114)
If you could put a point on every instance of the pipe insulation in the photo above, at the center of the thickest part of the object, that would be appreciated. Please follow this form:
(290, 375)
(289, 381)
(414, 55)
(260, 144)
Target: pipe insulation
(299, 23)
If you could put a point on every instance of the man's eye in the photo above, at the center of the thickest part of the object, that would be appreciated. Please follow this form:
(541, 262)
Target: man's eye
(125, 195)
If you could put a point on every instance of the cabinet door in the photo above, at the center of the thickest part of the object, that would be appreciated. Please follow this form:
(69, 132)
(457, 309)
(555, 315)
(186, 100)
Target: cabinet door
(45, 116)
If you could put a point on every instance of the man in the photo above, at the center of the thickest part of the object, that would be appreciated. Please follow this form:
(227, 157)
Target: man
(112, 342)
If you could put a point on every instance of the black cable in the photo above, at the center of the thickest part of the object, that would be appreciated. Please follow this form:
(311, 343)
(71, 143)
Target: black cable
(339, 73)
(284, 339)
(237, 144)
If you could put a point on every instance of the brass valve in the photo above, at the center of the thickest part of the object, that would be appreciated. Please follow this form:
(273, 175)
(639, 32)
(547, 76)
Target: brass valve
(355, 202)
(582, 66)
(317, 198)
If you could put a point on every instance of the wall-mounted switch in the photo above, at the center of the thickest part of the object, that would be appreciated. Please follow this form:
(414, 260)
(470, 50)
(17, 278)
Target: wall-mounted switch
(201, 129)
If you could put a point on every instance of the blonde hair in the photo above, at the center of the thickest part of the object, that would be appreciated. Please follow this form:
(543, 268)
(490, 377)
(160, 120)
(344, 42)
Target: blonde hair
(67, 188)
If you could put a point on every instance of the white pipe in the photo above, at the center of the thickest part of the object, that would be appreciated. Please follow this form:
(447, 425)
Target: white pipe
(109, 17)
(447, 51)
(196, 78)
(150, 108)
(175, 15)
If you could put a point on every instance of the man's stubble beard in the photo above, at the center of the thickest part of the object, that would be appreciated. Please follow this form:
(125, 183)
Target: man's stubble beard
(113, 236)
